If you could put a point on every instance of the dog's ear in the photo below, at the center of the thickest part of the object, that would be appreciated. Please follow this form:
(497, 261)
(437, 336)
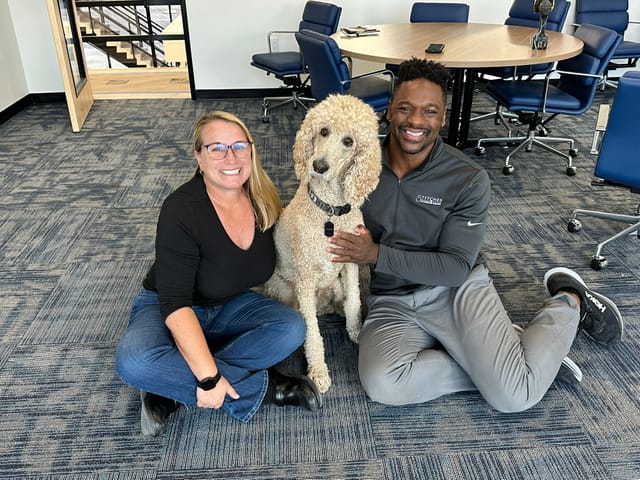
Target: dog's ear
(363, 176)
(303, 145)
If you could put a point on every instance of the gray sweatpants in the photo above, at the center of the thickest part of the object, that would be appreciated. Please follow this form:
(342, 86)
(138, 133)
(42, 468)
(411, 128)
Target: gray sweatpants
(440, 340)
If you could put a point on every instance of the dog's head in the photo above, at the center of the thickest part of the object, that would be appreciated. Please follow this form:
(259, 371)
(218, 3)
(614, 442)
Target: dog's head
(338, 139)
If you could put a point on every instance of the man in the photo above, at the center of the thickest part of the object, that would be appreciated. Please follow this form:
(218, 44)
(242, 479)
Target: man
(435, 323)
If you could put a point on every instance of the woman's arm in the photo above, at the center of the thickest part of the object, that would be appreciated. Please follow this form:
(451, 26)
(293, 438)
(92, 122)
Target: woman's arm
(192, 345)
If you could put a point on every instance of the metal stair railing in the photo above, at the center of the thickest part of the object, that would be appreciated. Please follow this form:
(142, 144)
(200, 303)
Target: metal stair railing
(141, 31)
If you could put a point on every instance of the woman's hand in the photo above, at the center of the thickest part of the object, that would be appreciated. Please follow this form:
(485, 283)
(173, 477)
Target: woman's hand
(214, 398)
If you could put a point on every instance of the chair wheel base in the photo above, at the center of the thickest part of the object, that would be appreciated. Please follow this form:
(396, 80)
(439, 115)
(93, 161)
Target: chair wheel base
(574, 225)
(598, 263)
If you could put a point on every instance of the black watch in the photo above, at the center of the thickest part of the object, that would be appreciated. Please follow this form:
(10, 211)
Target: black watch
(209, 383)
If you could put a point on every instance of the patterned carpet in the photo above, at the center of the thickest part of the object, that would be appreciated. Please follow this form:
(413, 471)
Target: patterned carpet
(77, 224)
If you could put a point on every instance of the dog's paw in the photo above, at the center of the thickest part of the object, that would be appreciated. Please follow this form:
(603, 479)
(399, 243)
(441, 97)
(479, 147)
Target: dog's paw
(320, 376)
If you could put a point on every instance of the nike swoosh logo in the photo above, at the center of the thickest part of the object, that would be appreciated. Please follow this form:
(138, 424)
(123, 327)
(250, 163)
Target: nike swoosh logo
(473, 224)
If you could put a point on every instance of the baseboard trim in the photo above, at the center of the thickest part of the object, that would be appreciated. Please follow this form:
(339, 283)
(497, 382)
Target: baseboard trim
(240, 93)
(28, 100)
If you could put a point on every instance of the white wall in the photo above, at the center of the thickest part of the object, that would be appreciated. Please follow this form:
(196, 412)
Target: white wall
(35, 41)
(13, 83)
(224, 35)
(222, 49)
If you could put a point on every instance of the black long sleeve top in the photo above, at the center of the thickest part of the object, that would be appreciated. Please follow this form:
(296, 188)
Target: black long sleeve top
(196, 262)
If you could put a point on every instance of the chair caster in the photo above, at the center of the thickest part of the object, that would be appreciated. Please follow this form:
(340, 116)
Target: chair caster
(574, 225)
(265, 113)
(573, 152)
(598, 263)
(479, 151)
(507, 169)
(571, 171)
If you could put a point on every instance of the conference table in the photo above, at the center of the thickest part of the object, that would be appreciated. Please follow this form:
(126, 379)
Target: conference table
(468, 47)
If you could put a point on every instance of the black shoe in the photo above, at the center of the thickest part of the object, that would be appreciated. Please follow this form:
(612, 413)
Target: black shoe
(599, 316)
(294, 390)
(569, 371)
(154, 412)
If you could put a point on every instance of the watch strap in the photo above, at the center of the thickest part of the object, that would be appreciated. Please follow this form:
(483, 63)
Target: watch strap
(210, 383)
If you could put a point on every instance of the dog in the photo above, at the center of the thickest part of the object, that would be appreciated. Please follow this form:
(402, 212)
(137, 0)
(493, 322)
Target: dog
(337, 161)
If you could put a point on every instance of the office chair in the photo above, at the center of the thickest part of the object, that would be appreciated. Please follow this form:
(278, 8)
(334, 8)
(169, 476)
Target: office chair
(572, 95)
(424, 12)
(521, 14)
(288, 66)
(611, 14)
(618, 161)
(330, 73)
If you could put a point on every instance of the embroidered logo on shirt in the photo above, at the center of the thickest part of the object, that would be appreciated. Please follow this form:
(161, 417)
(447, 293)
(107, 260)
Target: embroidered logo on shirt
(473, 224)
(428, 200)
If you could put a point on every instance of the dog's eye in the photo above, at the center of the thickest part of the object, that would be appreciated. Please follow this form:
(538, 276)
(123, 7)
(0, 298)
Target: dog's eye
(347, 141)
(324, 132)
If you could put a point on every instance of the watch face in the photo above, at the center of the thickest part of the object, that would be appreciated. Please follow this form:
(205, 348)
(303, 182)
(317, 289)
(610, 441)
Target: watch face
(209, 383)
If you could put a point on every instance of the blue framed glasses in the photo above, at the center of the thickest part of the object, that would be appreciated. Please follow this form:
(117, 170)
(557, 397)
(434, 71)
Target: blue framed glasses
(218, 151)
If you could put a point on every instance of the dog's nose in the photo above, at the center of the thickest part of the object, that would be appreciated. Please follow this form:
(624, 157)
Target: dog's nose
(320, 166)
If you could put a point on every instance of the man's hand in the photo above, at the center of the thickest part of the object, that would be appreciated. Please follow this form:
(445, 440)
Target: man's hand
(357, 247)
(214, 398)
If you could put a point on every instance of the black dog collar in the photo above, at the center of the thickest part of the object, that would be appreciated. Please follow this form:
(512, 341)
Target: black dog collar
(330, 209)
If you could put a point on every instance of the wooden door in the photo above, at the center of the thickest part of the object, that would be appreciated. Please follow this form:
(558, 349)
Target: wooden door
(73, 66)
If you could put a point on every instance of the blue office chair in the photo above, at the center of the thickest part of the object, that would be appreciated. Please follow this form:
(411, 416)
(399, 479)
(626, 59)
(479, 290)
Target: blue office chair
(330, 73)
(572, 95)
(424, 12)
(288, 66)
(439, 12)
(618, 162)
(611, 14)
(521, 14)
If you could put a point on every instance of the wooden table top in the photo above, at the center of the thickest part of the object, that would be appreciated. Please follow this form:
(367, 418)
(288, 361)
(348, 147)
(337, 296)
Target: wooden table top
(467, 45)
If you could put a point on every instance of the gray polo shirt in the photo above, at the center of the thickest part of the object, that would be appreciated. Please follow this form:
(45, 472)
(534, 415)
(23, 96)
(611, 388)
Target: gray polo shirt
(430, 224)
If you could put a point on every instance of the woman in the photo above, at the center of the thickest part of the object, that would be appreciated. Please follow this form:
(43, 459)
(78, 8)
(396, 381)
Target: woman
(197, 334)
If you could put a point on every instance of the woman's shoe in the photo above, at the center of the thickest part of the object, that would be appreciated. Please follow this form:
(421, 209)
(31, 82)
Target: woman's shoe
(154, 412)
(293, 390)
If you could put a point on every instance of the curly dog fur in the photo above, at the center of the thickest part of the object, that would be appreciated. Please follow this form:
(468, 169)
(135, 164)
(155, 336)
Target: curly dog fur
(336, 154)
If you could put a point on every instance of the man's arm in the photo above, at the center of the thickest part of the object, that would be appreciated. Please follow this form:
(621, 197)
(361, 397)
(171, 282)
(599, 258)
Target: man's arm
(460, 239)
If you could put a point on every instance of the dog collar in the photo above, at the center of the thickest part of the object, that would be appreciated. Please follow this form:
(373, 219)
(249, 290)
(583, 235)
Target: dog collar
(336, 210)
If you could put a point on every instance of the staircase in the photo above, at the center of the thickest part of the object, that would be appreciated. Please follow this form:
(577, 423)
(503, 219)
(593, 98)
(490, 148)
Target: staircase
(126, 20)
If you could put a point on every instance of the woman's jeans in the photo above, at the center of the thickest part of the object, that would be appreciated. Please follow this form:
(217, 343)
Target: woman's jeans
(246, 335)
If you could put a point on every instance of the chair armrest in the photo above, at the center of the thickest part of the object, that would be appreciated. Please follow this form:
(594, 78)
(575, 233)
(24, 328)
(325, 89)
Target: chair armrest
(277, 32)
(547, 79)
(377, 73)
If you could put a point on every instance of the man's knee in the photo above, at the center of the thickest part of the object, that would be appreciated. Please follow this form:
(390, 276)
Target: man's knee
(379, 387)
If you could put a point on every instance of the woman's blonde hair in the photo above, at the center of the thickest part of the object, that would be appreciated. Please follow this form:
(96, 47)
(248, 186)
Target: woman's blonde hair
(261, 190)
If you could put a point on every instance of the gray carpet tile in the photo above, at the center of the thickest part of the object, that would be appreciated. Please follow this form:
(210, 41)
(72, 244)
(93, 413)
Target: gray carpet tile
(56, 420)
(23, 292)
(522, 463)
(77, 222)
(90, 303)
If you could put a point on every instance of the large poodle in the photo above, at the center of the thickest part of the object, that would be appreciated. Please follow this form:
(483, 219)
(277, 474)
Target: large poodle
(337, 161)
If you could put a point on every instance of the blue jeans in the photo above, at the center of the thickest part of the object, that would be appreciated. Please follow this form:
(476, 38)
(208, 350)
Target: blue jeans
(246, 335)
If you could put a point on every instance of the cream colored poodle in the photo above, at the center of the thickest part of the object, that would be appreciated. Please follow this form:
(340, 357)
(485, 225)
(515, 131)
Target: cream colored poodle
(337, 161)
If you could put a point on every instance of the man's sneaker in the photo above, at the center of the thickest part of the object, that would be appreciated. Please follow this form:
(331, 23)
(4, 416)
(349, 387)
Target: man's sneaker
(599, 316)
(154, 412)
(569, 371)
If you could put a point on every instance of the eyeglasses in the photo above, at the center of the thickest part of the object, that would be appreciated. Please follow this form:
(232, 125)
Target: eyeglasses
(218, 151)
